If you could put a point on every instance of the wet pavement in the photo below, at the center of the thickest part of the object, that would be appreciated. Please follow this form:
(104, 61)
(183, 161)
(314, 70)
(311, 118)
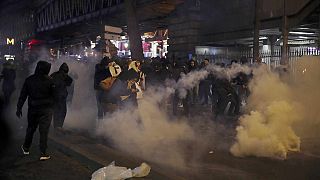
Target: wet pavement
(77, 155)
(15, 166)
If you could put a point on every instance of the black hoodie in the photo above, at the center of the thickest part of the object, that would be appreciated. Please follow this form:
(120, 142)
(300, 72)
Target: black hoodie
(101, 73)
(62, 80)
(38, 88)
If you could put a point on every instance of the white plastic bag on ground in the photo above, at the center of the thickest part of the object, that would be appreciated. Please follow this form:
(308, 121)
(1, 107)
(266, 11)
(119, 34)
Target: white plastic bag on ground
(142, 171)
(113, 172)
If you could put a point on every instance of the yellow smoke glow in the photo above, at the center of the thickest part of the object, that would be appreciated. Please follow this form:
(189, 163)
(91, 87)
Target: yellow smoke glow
(281, 111)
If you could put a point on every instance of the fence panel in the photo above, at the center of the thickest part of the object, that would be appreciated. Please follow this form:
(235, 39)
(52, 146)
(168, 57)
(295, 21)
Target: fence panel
(273, 60)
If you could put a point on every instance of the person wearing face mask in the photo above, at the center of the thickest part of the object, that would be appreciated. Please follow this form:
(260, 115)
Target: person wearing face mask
(61, 80)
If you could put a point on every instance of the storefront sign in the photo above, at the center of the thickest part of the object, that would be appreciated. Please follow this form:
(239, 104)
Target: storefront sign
(9, 57)
(10, 41)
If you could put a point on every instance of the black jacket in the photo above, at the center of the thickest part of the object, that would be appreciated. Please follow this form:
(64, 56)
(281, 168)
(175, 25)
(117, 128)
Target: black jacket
(100, 74)
(8, 75)
(120, 88)
(38, 88)
(177, 70)
(62, 80)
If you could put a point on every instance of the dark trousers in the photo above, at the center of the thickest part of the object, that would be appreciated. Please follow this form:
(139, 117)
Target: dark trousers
(59, 113)
(7, 96)
(41, 118)
(99, 98)
(204, 92)
(225, 104)
(192, 95)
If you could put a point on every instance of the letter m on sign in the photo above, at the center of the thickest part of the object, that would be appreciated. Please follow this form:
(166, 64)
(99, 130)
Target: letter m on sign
(10, 41)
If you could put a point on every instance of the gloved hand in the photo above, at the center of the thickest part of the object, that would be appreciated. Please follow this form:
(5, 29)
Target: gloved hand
(19, 113)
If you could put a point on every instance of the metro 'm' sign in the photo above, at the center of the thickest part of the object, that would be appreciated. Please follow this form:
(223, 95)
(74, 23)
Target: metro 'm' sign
(10, 41)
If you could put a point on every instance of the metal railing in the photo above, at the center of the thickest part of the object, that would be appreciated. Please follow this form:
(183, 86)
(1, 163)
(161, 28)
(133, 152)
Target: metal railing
(57, 13)
(294, 53)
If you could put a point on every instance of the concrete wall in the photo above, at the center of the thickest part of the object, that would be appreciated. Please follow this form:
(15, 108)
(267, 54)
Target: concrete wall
(221, 16)
(218, 20)
(274, 8)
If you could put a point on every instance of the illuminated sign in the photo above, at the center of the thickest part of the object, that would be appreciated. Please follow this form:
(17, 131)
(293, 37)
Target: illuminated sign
(112, 29)
(9, 57)
(10, 41)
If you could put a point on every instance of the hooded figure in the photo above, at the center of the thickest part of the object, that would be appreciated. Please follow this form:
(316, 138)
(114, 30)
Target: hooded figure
(8, 75)
(40, 91)
(70, 89)
(61, 80)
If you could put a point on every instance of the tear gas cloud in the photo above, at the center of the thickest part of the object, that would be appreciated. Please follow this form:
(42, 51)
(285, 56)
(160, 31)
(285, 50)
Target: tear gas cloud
(280, 114)
(82, 111)
(282, 111)
(151, 133)
(146, 131)
(192, 79)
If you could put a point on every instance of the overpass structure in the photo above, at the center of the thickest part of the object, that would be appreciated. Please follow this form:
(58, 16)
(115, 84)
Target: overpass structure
(190, 23)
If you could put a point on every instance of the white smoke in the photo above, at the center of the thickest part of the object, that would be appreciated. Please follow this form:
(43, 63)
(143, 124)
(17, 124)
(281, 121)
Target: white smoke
(192, 79)
(148, 132)
(83, 109)
(81, 113)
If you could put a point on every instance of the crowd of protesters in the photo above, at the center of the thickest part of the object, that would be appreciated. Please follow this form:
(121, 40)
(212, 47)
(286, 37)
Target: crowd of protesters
(225, 96)
(118, 84)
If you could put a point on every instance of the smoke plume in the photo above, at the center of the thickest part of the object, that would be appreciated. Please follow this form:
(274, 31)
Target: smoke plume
(281, 110)
(81, 111)
(192, 79)
(147, 131)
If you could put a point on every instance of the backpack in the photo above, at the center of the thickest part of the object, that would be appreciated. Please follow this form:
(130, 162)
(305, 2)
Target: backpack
(107, 83)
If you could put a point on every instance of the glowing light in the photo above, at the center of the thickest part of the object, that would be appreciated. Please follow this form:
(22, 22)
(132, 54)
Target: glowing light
(304, 71)
(263, 38)
(302, 33)
(10, 41)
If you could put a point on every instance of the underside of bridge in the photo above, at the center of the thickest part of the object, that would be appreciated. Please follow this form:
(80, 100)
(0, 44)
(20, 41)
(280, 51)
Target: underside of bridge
(190, 23)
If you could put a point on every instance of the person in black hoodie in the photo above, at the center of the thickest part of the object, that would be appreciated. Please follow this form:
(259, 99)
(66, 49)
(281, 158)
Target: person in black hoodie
(8, 75)
(61, 80)
(40, 91)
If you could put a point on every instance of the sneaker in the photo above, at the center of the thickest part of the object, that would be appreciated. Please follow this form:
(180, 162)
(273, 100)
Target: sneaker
(44, 157)
(25, 151)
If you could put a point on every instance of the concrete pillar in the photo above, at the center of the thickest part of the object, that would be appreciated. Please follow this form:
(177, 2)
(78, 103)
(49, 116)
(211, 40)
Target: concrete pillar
(285, 33)
(272, 40)
(319, 32)
(135, 43)
(184, 30)
(256, 34)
